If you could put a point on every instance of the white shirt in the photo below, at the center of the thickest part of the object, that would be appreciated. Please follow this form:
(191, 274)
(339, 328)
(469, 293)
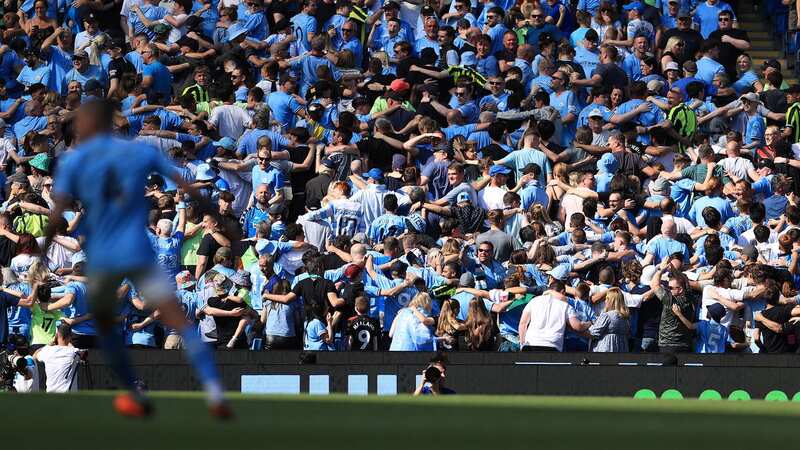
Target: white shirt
(316, 232)
(737, 166)
(682, 224)
(230, 120)
(6, 147)
(31, 385)
(371, 200)
(549, 317)
(491, 197)
(60, 366)
(734, 295)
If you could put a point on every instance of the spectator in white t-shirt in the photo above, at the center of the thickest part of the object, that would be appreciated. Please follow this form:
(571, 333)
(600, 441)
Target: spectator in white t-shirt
(545, 318)
(60, 362)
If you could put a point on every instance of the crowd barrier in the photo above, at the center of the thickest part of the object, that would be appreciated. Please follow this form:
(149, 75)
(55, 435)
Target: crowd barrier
(389, 373)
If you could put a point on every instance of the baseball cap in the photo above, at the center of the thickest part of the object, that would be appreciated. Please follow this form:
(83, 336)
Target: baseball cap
(716, 311)
(275, 210)
(765, 162)
(91, 18)
(391, 5)
(360, 238)
(427, 10)
(399, 85)
(750, 251)
(398, 267)
(772, 62)
(690, 66)
(398, 161)
(751, 97)
(462, 197)
(672, 65)
(633, 5)
(466, 280)
(374, 173)
(498, 169)
(184, 280)
(684, 13)
(595, 113)
(227, 143)
(80, 55)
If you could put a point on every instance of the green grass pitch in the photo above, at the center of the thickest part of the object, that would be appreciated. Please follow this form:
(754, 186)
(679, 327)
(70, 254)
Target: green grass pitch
(86, 421)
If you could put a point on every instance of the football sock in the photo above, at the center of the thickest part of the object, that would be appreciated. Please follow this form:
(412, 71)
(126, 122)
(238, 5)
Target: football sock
(202, 359)
(113, 345)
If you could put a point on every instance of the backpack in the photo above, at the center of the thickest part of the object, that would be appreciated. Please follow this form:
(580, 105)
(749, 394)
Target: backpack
(32, 223)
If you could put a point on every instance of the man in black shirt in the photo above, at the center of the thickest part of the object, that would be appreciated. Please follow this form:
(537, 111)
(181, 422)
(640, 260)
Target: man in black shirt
(690, 37)
(317, 187)
(8, 240)
(118, 66)
(773, 322)
(607, 73)
(733, 42)
(213, 240)
(364, 332)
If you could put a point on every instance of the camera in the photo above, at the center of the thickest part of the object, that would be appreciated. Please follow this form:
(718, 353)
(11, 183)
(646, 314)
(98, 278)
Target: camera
(10, 365)
(432, 374)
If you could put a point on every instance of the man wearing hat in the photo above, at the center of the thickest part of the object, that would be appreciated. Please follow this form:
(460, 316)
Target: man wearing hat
(391, 12)
(34, 71)
(82, 71)
(491, 197)
(690, 37)
(637, 26)
(753, 136)
(118, 66)
(586, 52)
(371, 194)
(90, 31)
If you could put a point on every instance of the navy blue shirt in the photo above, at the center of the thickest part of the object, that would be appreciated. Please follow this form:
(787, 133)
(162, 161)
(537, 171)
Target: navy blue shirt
(6, 300)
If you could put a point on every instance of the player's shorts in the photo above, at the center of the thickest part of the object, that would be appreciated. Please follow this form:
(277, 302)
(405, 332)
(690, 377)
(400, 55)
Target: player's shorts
(152, 284)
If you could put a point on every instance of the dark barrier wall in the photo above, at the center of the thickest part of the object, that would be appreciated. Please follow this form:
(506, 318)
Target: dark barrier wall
(480, 373)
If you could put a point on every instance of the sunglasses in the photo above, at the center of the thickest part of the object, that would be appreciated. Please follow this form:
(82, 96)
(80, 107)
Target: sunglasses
(536, 16)
(347, 29)
(260, 159)
(494, 82)
(483, 250)
(724, 19)
(461, 93)
(558, 78)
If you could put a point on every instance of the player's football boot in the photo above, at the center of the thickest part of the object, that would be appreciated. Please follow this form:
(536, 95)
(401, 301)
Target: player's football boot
(129, 406)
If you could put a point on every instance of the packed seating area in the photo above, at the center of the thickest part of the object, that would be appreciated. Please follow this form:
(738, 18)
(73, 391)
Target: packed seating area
(377, 175)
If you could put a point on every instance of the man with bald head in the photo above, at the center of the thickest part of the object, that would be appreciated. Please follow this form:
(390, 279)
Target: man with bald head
(664, 245)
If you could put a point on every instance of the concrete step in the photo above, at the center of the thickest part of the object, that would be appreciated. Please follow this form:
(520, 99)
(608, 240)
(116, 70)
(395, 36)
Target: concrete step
(765, 54)
(748, 17)
(763, 44)
(757, 33)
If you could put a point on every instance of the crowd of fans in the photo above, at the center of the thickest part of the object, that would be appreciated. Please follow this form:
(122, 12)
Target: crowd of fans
(397, 176)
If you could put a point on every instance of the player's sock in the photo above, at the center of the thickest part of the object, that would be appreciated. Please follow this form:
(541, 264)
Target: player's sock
(203, 361)
(113, 345)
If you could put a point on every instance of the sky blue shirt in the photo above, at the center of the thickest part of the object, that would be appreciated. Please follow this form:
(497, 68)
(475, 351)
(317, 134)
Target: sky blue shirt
(720, 204)
(302, 24)
(116, 209)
